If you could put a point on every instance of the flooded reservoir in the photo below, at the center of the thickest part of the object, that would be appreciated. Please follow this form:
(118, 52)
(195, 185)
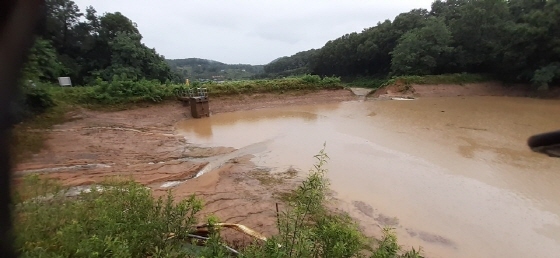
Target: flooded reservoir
(453, 175)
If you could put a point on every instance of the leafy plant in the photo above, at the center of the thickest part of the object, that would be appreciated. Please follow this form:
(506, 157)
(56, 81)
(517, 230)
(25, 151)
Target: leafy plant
(119, 219)
(307, 229)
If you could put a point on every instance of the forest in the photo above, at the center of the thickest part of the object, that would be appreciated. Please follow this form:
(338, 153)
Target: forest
(513, 41)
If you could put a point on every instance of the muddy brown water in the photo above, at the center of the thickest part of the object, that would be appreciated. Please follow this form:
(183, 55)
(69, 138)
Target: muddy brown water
(452, 175)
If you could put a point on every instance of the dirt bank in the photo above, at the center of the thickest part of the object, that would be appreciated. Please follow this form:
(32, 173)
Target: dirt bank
(142, 144)
(451, 90)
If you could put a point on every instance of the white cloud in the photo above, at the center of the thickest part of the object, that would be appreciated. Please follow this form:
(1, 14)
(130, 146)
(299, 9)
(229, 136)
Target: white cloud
(248, 31)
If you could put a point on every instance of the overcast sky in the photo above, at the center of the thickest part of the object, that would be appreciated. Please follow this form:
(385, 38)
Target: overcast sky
(248, 31)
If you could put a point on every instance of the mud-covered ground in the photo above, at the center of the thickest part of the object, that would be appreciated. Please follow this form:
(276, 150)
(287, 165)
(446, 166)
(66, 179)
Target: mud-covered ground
(142, 144)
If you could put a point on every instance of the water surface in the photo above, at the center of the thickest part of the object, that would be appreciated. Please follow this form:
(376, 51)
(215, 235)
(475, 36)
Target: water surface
(455, 173)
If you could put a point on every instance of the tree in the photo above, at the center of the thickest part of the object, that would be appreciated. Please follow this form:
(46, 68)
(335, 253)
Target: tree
(61, 17)
(479, 29)
(42, 62)
(113, 23)
(420, 51)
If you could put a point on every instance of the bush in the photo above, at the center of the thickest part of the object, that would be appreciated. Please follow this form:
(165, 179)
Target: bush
(37, 99)
(116, 220)
(307, 229)
(311, 78)
(545, 75)
(126, 90)
(32, 100)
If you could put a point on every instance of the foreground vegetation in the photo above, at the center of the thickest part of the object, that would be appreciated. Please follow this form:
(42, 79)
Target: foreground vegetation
(123, 219)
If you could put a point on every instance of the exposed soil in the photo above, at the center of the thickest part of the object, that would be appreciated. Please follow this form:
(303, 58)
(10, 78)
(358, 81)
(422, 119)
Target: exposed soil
(142, 144)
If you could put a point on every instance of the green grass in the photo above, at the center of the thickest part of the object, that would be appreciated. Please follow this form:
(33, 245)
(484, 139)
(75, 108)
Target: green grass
(123, 219)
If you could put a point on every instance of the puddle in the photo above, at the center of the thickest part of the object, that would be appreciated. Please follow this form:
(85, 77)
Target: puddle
(453, 171)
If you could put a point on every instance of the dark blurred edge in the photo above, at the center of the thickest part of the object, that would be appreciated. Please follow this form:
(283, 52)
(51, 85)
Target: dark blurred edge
(546, 143)
(18, 20)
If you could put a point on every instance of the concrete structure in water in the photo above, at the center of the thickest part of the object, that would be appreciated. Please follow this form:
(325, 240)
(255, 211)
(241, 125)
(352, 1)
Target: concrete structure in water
(198, 101)
(199, 106)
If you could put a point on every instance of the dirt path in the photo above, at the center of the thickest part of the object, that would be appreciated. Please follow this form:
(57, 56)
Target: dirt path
(142, 144)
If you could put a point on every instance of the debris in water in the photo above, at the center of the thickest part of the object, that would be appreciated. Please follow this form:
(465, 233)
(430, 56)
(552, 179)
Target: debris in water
(401, 98)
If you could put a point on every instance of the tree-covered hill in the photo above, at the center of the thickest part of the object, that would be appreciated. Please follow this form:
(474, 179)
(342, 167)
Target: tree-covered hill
(513, 40)
(203, 69)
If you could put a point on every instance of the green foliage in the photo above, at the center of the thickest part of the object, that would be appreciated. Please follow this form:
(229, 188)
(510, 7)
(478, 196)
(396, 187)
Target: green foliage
(123, 90)
(88, 46)
(307, 229)
(515, 40)
(420, 49)
(546, 75)
(43, 63)
(113, 220)
(305, 82)
(37, 98)
(289, 66)
(459, 78)
(33, 99)
(365, 82)
(388, 246)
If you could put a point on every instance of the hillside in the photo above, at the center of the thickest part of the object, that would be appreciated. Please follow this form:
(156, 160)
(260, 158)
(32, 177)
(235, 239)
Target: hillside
(204, 69)
(514, 41)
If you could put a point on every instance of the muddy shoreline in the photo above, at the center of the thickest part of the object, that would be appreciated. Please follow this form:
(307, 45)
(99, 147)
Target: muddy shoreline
(143, 144)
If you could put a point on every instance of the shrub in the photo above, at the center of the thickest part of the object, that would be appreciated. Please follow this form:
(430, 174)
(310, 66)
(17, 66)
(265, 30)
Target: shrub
(308, 78)
(307, 229)
(126, 90)
(32, 100)
(37, 99)
(116, 219)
